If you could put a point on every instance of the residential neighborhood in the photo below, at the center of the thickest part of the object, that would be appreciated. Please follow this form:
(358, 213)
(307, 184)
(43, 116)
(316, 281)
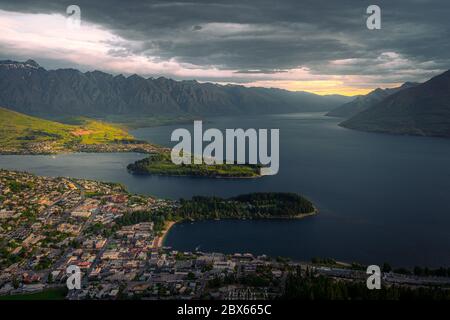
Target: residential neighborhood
(116, 240)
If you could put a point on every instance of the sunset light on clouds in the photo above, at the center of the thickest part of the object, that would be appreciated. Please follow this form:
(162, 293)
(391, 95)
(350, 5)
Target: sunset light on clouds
(46, 38)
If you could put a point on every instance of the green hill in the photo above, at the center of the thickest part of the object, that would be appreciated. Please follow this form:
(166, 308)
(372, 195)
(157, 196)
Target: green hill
(19, 132)
(23, 134)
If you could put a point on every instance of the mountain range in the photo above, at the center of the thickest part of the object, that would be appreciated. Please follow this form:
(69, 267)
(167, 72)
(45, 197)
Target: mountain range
(422, 109)
(26, 87)
(31, 89)
(361, 103)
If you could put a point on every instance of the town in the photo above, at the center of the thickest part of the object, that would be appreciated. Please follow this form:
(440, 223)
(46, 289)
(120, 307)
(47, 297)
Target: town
(52, 147)
(116, 239)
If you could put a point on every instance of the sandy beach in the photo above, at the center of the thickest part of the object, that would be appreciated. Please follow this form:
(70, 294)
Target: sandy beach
(158, 242)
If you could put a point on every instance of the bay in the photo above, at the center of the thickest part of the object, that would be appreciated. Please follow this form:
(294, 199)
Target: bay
(381, 197)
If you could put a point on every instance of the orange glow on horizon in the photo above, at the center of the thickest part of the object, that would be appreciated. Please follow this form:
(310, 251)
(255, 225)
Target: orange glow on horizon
(345, 91)
(46, 36)
(320, 87)
(327, 87)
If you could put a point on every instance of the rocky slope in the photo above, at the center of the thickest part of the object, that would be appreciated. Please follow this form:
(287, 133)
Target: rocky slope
(28, 88)
(420, 110)
(362, 103)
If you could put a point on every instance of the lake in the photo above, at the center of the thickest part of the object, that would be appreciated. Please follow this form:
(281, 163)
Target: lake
(381, 197)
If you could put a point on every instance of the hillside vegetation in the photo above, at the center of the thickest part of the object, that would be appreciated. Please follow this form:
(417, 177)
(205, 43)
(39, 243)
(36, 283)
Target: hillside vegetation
(19, 131)
(161, 164)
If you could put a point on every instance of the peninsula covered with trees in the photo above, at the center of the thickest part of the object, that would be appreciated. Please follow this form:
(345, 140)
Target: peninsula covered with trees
(159, 163)
(247, 206)
(263, 205)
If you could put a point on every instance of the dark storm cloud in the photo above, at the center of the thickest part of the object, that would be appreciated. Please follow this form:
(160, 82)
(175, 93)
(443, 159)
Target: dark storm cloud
(264, 36)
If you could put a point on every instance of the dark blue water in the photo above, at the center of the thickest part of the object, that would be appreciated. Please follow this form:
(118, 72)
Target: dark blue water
(381, 197)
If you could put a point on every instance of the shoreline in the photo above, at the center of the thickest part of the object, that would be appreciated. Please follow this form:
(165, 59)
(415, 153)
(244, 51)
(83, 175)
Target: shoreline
(159, 240)
(139, 151)
(68, 153)
(143, 148)
(309, 214)
(194, 176)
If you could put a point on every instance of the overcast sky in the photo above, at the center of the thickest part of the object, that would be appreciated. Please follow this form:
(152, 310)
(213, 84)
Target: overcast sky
(311, 45)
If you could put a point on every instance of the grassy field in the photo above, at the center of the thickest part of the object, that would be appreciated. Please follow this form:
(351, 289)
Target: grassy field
(49, 294)
(17, 130)
(161, 164)
(134, 122)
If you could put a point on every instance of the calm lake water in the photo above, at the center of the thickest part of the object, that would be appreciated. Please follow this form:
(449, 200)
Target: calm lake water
(381, 197)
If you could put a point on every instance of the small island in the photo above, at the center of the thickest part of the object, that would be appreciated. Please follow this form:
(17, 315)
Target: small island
(159, 163)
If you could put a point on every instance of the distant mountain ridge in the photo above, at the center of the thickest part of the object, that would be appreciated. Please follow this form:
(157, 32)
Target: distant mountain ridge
(420, 110)
(28, 88)
(364, 102)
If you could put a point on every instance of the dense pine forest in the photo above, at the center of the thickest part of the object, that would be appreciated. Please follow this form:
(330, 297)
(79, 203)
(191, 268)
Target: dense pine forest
(248, 206)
